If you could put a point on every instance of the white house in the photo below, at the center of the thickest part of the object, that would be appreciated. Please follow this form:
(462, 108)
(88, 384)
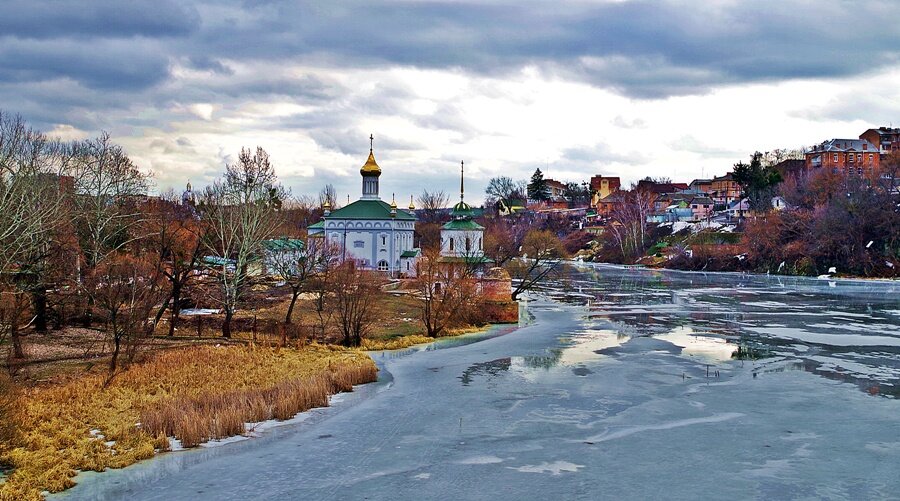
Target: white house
(370, 231)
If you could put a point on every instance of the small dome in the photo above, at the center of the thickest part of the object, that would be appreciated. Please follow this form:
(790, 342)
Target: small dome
(371, 167)
(411, 206)
(462, 207)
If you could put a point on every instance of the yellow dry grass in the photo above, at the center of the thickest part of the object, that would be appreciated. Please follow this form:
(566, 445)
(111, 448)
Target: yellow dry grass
(394, 343)
(195, 394)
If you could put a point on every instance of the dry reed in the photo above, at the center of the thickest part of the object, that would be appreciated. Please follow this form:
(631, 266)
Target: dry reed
(194, 394)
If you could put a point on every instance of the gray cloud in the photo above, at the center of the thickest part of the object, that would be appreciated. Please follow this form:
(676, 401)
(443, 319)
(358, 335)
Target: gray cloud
(98, 19)
(115, 65)
(640, 48)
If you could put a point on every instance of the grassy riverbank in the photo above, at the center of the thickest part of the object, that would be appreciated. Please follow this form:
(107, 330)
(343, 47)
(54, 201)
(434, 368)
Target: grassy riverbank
(194, 394)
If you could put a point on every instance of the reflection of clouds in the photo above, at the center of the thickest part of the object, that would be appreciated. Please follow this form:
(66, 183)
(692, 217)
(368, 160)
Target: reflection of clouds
(713, 349)
(585, 344)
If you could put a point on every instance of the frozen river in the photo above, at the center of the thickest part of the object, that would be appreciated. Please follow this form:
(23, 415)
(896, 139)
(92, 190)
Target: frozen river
(623, 385)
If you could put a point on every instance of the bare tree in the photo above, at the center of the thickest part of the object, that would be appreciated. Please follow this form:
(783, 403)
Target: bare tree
(300, 270)
(125, 291)
(504, 187)
(541, 253)
(503, 239)
(239, 213)
(431, 204)
(356, 297)
(175, 240)
(32, 211)
(109, 189)
(328, 195)
(446, 292)
(627, 225)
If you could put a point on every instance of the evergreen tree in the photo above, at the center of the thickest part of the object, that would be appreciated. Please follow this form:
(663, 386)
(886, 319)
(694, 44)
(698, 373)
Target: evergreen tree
(758, 182)
(537, 188)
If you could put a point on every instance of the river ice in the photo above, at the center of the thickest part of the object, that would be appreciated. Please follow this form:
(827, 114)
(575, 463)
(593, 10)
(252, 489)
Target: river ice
(622, 386)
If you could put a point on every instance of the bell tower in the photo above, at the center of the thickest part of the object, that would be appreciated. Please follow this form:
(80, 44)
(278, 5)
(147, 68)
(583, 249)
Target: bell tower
(370, 173)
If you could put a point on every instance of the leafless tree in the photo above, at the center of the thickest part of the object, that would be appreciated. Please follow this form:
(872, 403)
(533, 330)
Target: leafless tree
(239, 213)
(108, 191)
(174, 239)
(125, 291)
(503, 239)
(504, 187)
(431, 204)
(627, 225)
(541, 253)
(328, 195)
(356, 298)
(32, 211)
(446, 292)
(300, 270)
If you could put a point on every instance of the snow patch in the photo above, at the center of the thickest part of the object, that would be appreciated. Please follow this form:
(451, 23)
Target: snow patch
(631, 430)
(554, 468)
(481, 460)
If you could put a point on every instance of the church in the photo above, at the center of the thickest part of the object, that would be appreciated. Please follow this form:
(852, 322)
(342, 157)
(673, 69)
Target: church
(377, 235)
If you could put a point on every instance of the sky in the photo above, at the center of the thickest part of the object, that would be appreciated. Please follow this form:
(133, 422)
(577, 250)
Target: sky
(629, 88)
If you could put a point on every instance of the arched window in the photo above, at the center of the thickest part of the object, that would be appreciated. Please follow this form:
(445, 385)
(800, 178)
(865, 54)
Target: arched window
(382, 265)
(468, 244)
(451, 243)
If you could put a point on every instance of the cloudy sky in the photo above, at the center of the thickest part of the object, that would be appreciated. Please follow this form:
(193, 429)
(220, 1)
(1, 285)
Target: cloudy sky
(629, 88)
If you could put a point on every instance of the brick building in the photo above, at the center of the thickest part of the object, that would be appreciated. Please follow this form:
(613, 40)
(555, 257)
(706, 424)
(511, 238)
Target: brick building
(724, 189)
(556, 190)
(887, 139)
(847, 156)
(602, 187)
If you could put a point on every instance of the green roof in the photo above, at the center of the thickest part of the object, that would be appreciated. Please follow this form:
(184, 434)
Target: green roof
(284, 244)
(410, 253)
(316, 226)
(369, 209)
(463, 224)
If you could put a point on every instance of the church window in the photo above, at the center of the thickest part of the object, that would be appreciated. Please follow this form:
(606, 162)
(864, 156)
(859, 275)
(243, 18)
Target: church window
(383, 240)
(359, 244)
(468, 244)
(382, 265)
(451, 244)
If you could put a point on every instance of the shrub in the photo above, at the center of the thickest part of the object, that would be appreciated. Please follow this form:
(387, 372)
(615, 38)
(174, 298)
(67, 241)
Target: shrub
(7, 412)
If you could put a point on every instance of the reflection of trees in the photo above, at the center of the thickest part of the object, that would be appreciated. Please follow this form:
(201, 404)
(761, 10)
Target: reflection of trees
(543, 361)
(490, 369)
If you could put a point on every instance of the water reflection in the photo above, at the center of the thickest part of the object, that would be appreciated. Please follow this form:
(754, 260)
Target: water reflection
(848, 331)
(706, 347)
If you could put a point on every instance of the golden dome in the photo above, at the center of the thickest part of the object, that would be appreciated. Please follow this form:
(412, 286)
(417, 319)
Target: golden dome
(393, 203)
(411, 206)
(371, 167)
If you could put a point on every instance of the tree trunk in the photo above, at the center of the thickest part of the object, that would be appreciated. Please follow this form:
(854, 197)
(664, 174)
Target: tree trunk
(162, 309)
(39, 302)
(176, 308)
(290, 312)
(18, 351)
(226, 324)
(117, 344)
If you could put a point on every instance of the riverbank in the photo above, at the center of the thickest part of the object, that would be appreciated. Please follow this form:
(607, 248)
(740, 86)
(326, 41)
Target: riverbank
(193, 394)
(632, 395)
